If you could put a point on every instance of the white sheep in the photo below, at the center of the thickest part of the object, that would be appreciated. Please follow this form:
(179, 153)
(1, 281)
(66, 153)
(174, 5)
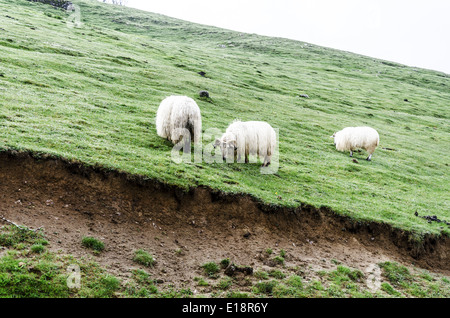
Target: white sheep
(242, 139)
(177, 114)
(352, 138)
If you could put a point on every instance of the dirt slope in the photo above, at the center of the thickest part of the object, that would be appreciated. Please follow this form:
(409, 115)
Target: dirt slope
(185, 230)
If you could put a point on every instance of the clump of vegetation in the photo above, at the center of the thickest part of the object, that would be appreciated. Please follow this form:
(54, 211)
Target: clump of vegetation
(343, 273)
(395, 273)
(225, 283)
(200, 281)
(277, 274)
(211, 269)
(37, 248)
(12, 235)
(389, 289)
(261, 275)
(402, 282)
(225, 262)
(144, 258)
(29, 278)
(265, 287)
(93, 243)
(236, 294)
(179, 251)
(26, 271)
(141, 285)
(278, 260)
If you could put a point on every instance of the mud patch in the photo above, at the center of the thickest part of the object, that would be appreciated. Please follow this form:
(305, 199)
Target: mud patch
(184, 230)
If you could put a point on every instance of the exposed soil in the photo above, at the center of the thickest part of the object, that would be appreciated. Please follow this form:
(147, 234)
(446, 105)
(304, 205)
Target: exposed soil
(184, 230)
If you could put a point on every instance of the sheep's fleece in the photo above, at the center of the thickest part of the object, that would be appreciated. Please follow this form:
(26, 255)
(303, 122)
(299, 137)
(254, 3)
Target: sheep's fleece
(352, 138)
(175, 115)
(248, 138)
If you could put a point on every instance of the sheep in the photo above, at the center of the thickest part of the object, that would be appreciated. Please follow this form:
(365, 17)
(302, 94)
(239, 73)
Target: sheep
(242, 139)
(175, 115)
(351, 138)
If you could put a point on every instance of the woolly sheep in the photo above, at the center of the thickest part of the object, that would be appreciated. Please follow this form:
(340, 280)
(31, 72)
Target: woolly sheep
(176, 113)
(242, 139)
(351, 138)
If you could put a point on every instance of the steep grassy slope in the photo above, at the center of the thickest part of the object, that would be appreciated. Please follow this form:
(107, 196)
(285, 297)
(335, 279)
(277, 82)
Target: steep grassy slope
(90, 93)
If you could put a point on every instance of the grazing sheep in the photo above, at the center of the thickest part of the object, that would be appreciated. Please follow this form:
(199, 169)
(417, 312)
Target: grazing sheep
(178, 113)
(351, 138)
(242, 139)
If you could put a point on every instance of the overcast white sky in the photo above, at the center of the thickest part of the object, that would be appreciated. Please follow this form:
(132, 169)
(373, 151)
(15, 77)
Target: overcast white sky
(411, 32)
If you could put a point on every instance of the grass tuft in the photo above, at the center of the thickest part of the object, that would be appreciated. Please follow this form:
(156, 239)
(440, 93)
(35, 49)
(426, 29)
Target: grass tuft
(93, 243)
(144, 258)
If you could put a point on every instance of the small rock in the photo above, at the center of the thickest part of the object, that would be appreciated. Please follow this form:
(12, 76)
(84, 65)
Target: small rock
(204, 94)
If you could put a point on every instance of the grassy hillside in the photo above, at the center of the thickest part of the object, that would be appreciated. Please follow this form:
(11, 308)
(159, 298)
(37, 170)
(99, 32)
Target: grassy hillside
(90, 93)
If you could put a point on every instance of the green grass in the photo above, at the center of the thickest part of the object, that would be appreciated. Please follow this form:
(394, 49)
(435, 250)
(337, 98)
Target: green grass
(91, 93)
(14, 236)
(141, 285)
(93, 243)
(211, 269)
(28, 270)
(144, 258)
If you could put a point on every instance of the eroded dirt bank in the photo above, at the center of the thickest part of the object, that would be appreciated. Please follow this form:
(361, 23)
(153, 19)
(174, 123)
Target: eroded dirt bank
(184, 230)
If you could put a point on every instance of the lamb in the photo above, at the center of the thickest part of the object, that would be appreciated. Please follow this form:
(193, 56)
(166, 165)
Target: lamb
(242, 139)
(351, 138)
(177, 114)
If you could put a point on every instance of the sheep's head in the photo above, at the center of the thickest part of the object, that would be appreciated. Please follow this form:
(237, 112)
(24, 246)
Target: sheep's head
(334, 137)
(227, 144)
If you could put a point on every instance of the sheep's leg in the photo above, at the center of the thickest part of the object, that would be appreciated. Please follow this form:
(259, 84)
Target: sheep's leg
(369, 158)
(351, 153)
(266, 162)
(246, 159)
